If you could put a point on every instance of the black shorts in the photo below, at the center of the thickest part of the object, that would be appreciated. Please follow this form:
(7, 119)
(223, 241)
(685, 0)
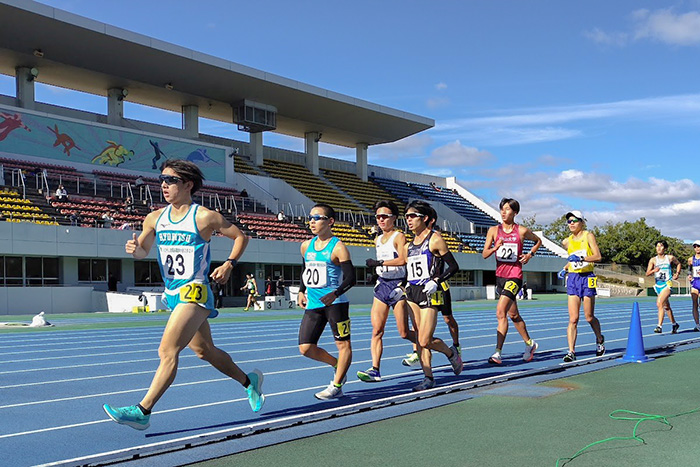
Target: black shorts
(415, 294)
(446, 307)
(314, 322)
(508, 287)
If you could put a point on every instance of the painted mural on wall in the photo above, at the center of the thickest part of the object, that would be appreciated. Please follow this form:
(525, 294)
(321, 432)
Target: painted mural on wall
(25, 133)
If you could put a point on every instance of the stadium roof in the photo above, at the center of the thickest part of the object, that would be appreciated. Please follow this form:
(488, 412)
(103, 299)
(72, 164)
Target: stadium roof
(89, 56)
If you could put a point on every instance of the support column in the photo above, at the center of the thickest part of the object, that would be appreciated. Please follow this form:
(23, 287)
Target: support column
(115, 106)
(311, 149)
(24, 87)
(256, 148)
(190, 121)
(361, 161)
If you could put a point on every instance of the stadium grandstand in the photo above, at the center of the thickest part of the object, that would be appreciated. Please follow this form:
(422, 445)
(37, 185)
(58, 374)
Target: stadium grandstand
(61, 250)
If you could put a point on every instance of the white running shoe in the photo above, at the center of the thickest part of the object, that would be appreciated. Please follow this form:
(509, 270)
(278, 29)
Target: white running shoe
(331, 392)
(530, 351)
(411, 359)
(495, 358)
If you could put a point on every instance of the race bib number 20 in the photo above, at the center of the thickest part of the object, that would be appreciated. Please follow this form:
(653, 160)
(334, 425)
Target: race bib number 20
(315, 275)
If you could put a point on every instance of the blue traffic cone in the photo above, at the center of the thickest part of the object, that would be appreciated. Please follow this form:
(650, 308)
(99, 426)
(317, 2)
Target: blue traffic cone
(635, 342)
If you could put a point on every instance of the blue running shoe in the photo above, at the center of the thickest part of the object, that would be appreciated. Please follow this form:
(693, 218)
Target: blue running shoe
(369, 376)
(130, 416)
(255, 395)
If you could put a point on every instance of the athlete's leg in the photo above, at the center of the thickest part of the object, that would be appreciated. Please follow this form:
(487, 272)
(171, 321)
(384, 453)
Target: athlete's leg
(203, 346)
(453, 327)
(183, 324)
(662, 304)
(379, 315)
(426, 320)
(401, 313)
(501, 315)
(694, 294)
(588, 310)
(312, 325)
(574, 303)
(343, 361)
(518, 321)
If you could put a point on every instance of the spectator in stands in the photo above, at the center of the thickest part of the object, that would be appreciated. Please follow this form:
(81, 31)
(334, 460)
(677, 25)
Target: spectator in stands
(129, 205)
(75, 218)
(107, 220)
(126, 226)
(281, 217)
(61, 193)
(244, 193)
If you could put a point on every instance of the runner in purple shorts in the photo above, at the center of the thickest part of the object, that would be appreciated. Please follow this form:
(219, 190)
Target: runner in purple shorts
(694, 279)
(390, 267)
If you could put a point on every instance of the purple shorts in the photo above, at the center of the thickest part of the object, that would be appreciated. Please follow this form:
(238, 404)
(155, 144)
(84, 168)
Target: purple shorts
(695, 283)
(388, 291)
(581, 284)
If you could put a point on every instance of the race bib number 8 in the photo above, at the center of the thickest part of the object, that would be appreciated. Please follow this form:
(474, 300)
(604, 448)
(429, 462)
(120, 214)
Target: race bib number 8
(417, 268)
(177, 261)
(507, 253)
(194, 293)
(316, 274)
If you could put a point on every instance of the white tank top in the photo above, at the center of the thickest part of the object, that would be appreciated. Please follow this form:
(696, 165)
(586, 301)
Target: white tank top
(387, 251)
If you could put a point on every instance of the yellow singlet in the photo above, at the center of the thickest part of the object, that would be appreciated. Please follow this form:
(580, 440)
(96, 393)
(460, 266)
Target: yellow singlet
(580, 247)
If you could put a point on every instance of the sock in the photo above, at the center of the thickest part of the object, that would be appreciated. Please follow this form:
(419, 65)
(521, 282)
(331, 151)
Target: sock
(143, 411)
(430, 378)
(529, 342)
(498, 350)
(455, 344)
(337, 385)
(375, 368)
(246, 383)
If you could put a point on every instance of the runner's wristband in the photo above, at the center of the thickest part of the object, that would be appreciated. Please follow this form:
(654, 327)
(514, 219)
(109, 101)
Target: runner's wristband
(232, 261)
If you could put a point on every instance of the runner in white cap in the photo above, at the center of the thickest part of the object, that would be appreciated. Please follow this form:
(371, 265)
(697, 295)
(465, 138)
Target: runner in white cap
(581, 285)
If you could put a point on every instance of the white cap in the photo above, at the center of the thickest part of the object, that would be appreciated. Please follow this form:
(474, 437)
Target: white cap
(696, 242)
(576, 214)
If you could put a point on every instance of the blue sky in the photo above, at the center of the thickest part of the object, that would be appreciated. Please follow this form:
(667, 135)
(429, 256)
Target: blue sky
(589, 105)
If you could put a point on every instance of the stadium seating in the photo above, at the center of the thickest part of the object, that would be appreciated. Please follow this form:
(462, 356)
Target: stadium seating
(244, 166)
(310, 185)
(14, 208)
(268, 227)
(365, 193)
(455, 202)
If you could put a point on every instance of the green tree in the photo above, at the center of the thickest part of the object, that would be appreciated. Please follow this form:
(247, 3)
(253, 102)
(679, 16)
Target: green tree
(557, 231)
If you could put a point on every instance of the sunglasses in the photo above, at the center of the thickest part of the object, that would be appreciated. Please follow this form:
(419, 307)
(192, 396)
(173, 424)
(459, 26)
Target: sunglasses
(413, 215)
(169, 179)
(318, 217)
(573, 220)
(383, 217)
(696, 246)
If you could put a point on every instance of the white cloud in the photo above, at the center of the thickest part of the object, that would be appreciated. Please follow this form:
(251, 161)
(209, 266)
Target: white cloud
(668, 27)
(413, 146)
(441, 86)
(664, 25)
(455, 155)
(540, 124)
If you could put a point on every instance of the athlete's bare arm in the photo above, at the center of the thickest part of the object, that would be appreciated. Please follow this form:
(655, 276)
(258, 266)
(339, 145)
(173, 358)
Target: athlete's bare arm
(301, 296)
(437, 245)
(527, 234)
(651, 269)
(208, 222)
(140, 246)
(593, 243)
(490, 238)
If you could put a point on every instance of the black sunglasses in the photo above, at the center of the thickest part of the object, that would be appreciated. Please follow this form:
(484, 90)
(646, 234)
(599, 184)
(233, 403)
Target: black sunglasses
(573, 220)
(169, 179)
(413, 215)
(384, 216)
(317, 217)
